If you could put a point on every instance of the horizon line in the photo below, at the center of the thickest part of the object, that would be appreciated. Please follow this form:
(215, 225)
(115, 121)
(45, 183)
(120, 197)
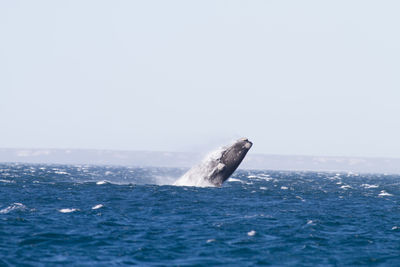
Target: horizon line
(198, 152)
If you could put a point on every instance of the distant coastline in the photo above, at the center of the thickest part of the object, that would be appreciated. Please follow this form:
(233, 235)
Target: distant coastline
(186, 160)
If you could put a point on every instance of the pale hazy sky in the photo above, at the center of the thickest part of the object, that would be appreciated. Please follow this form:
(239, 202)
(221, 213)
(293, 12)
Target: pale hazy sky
(296, 77)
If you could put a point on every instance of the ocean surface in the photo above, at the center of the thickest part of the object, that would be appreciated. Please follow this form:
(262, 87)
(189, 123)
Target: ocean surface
(111, 216)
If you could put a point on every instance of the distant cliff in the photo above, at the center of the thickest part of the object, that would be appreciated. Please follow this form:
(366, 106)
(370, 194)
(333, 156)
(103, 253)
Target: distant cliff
(182, 159)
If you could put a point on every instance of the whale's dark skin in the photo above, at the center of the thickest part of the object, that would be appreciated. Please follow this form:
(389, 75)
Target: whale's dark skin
(229, 161)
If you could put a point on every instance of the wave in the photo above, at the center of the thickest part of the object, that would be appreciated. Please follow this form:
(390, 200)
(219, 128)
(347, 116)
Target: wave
(67, 210)
(12, 207)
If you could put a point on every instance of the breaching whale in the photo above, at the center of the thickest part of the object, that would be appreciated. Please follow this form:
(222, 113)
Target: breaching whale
(216, 168)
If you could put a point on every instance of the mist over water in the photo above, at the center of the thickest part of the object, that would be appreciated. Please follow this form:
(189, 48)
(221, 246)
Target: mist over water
(104, 215)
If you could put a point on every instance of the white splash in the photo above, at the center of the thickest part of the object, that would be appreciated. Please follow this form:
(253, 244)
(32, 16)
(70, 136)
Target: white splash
(102, 182)
(164, 180)
(199, 174)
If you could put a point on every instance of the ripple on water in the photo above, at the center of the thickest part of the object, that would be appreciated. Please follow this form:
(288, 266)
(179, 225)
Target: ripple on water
(247, 223)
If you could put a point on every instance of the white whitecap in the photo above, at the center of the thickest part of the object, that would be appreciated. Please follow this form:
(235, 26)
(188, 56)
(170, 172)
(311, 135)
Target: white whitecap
(284, 187)
(102, 182)
(235, 180)
(385, 194)
(61, 172)
(345, 186)
(251, 233)
(67, 210)
(97, 207)
(370, 186)
(14, 206)
(7, 181)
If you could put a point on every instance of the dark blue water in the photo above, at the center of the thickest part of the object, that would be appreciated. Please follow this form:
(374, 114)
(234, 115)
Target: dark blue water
(54, 214)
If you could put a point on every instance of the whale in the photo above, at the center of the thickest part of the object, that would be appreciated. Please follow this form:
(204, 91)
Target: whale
(218, 166)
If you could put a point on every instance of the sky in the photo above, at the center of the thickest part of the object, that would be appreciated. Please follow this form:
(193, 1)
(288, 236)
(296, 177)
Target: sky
(295, 77)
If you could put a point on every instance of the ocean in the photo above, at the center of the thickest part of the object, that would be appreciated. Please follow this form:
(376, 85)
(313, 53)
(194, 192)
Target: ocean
(111, 216)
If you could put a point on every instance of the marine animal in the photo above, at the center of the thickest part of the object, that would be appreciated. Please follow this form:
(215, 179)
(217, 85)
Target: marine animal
(218, 166)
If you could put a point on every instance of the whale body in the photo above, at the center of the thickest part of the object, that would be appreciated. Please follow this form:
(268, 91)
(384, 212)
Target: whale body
(218, 166)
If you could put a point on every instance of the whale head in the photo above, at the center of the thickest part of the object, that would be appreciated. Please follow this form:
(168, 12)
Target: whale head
(230, 159)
